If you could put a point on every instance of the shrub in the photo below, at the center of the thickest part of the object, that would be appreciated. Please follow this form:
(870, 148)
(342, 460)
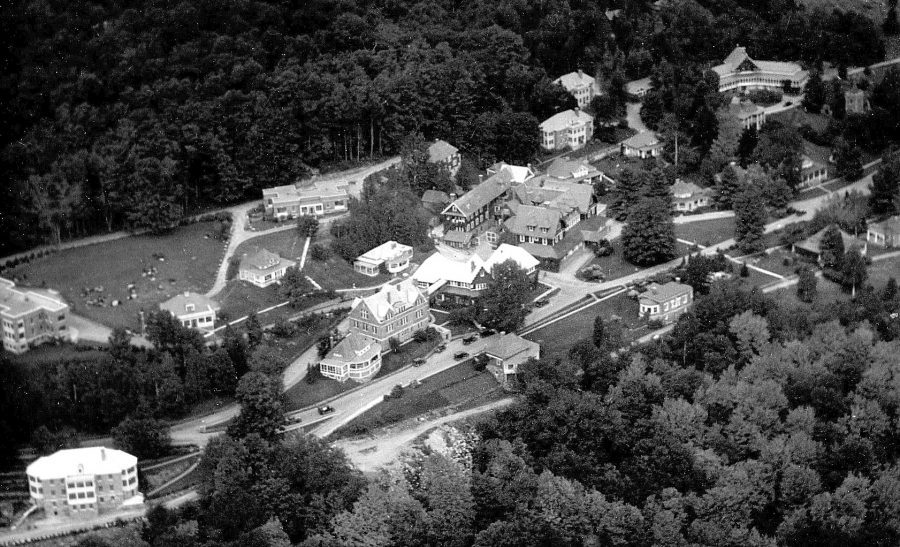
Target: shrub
(319, 253)
(479, 363)
(283, 328)
(234, 265)
(397, 392)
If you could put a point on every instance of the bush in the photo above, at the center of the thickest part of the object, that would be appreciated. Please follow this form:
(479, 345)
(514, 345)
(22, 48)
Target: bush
(313, 373)
(655, 324)
(283, 328)
(479, 363)
(319, 253)
(764, 97)
(234, 265)
(394, 344)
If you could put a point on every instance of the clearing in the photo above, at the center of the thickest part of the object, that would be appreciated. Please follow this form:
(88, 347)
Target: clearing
(706, 232)
(91, 278)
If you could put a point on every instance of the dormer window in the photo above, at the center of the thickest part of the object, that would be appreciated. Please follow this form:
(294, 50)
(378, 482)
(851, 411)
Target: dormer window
(189, 307)
(531, 228)
(545, 230)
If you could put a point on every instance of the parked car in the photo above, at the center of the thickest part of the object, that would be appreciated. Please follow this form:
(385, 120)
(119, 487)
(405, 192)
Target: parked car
(541, 303)
(418, 361)
(469, 339)
(487, 332)
(459, 355)
(327, 409)
(440, 348)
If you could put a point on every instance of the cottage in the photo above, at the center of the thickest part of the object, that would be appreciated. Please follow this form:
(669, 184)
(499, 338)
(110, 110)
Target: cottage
(355, 358)
(507, 352)
(749, 115)
(263, 268)
(295, 200)
(435, 200)
(583, 87)
(394, 256)
(665, 302)
(192, 310)
(395, 311)
(688, 196)
(571, 128)
(639, 88)
(885, 233)
(643, 145)
(563, 169)
(31, 317)
(740, 72)
(811, 247)
(444, 153)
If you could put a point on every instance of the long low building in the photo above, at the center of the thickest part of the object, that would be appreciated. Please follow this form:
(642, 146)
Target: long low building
(296, 200)
(742, 73)
(31, 317)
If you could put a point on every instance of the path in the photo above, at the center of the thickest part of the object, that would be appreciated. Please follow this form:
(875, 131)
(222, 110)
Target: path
(714, 215)
(633, 115)
(369, 454)
(303, 256)
(91, 331)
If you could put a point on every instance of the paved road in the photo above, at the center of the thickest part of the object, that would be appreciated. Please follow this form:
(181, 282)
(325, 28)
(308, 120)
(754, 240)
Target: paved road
(633, 115)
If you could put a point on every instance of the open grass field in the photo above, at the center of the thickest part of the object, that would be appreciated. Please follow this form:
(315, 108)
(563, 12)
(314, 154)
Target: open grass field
(53, 353)
(458, 385)
(304, 394)
(240, 298)
(706, 232)
(558, 338)
(190, 260)
(614, 265)
(780, 261)
(881, 271)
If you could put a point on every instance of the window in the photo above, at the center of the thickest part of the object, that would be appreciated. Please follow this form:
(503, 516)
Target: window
(71, 496)
(81, 495)
(80, 485)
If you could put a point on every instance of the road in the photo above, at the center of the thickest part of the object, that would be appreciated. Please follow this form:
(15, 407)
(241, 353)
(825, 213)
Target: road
(633, 115)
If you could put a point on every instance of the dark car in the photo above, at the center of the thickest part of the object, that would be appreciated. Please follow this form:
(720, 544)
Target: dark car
(469, 339)
(487, 332)
(541, 303)
(460, 355)
(327, 409)
(440, 348)
(418, 361)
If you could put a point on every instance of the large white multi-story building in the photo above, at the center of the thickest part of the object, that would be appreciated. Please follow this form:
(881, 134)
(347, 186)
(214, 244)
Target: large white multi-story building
(31, 317)
(83, 482)
(572, 128)
(740, 72)
(580, 85)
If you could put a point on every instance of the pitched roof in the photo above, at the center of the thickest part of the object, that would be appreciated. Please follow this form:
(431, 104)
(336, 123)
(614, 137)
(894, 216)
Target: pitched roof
(476, 198)
(435, 196)
(440, 266)
(440, 150)
(385, 251)
(389, 298)
(566, 119)
(536, 217)
(813, 244)
(354, 348)
(94, 460)
(888, 226)
(743, 109)
(684, 190)
(739, 55)
(663, 293)
(262, 260)
(575, 80)
(636, 85)
(510, 252)
(565, 168)
(645, 139)
(510, 345)
(177, 305)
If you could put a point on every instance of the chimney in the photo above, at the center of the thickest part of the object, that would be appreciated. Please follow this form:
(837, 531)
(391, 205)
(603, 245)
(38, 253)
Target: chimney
(103, 454)
(186, 294)
(480, 178)
(580, 72)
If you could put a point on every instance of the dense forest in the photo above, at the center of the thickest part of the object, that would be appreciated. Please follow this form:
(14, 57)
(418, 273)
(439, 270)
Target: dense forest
(131, 114)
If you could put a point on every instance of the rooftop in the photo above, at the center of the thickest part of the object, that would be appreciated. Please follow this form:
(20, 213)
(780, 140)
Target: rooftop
(663, 293)
(354, 347)
(510, 252)
(537, 218)
(813, 244)
(684, 190)
(390, 298)
(890, 225)
(641, 84)
(440, 150)
(440, 266)
(509, 345)
(646, 139)
(575, 80)
(435, 196)
(15, 302)
(739, 57)
(178, 304)
(263, 260)
(476, 198)
(566, 119)
(94, 460)
(565, 168)
(293, 192)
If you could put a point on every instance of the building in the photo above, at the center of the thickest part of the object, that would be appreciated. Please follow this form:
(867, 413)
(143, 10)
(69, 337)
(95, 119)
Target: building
(564, 169)
(885, 233)
(263, 268)
(687, 196)
(740, 72)
(444, 153)
(643, 145)
(571, 128)
(395, 311)
(811, 247)
(583, 87)
(31, 317)
(394, 256)
(517, 173)
(507, 352)
(435, 200)
(292, 201)
(665, 302)
(193, 310)
(748, 114)
(355, 358)
(856, 101)
(474, 217)
(639, 88)
(520, 256)
(812, 172)
(84, 482)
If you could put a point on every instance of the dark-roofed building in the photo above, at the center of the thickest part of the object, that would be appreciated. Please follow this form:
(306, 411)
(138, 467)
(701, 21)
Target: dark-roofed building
(506, 352)
(665, 302)
(354, 358)
(885, 233)
(811, 247)
(643, 145)
(444, 153)
(193, 310)
(475, 215)
(263, 268)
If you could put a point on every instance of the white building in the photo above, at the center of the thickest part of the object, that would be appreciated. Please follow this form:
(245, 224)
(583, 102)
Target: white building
(193, 310)
(316, 199)
(580, 85)
(395, 257)
(740, 72)
(354, 358)
(263, 268)
(639, 88)
(642, 145)
(572, 128)
(444, 153)
(31, 316)
(84, 482)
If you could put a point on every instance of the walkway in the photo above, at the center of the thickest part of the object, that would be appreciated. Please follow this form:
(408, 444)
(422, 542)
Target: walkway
(633, 115)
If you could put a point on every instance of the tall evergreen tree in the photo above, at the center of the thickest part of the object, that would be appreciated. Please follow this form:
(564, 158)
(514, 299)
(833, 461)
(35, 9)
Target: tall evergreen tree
(832, 248)
(806, 285)
(649, 236)
(750, 220)
(886, 186)
(814, 93)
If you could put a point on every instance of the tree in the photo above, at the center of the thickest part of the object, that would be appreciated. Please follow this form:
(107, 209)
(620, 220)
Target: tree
(169, 335)
(890, 24)
(268, 360)
(649, 236)
(727, 187)
(847, 159)
(262, 412)
(832, 248)
(144, 438)
(806, 285)
(502, 305)
(625, 194)
(814, 93)
(394, 344)
(46, 442)
(294, 286)
(746, 145)
(254, 331)
(599, 335)
(307, 226)
(886, 186)
(750, 220)
(853, 270)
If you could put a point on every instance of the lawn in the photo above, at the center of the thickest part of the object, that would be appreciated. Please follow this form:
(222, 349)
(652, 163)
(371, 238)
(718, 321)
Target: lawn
(881, 271)
(459, 385)
(304, 394)
(558, 338)
(614, 265)
(240, 298)
(53, 353)
(780, 261)
(189, 261)
(706, 232)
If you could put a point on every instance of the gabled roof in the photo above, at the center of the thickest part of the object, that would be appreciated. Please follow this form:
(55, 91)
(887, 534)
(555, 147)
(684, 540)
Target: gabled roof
(440, 150)
(813, 244)
(565, 168)
(354, 348)
(739, 59)
(510, 252)
(510, 345)
(646, 139)
(536, 217)
(566, 119)
(389, 298)
(178, 304)
(574, 80)
(663, 293)
(262, 260)
(440, 266)
(888, 226)
(486, 192)
(685, 190)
